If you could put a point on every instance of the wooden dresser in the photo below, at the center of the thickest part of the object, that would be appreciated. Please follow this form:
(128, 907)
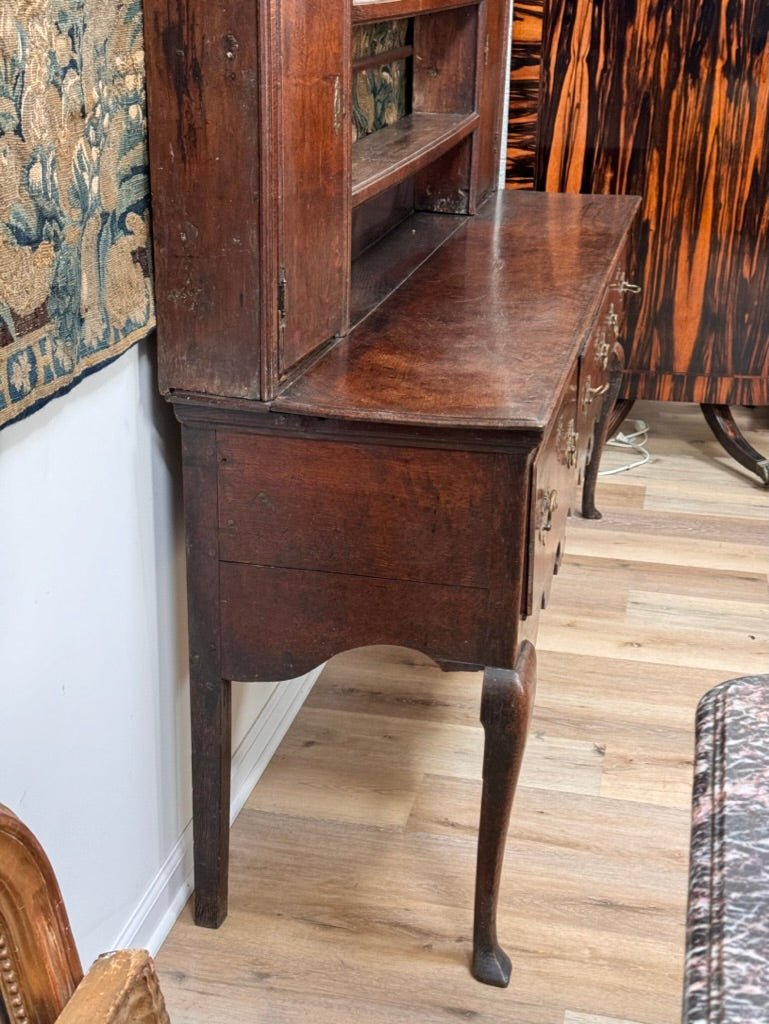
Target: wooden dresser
(390, 379)
(668, 100)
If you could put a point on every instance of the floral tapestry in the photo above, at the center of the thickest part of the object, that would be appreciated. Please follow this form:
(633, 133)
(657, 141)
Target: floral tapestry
(378, 92)
(75, 286)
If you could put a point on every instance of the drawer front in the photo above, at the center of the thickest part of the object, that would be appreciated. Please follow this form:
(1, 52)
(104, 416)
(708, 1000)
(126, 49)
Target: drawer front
(553, 489)
(594, 366)
(423, 515)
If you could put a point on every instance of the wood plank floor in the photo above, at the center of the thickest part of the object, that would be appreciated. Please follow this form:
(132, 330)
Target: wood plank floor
(353, 861)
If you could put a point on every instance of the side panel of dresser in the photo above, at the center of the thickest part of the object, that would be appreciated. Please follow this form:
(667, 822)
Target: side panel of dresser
(203, 119)
(327, 543)
(249, 155)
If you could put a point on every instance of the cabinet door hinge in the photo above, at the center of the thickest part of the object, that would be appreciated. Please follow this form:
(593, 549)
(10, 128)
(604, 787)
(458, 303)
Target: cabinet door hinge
(282, 297)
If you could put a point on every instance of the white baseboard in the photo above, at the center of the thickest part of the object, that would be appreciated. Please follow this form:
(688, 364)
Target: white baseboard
(165, 898)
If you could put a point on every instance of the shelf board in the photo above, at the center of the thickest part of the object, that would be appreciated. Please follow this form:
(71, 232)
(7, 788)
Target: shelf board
(392, 154)
(384, 10)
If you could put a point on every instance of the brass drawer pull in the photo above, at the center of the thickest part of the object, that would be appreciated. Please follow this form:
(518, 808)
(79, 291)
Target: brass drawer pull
(570, 451)
(548, 503)
(566, 443)
(624, 286)
(602, 350)
(612, 320)
(591, 393)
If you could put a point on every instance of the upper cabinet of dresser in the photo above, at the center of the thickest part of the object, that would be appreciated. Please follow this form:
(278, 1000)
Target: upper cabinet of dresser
(304, 156)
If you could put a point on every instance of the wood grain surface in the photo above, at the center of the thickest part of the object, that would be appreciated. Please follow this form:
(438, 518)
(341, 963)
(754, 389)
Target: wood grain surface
(523, 109)
(352, 863)
(671, 102)
(454, 346)
(205, 219)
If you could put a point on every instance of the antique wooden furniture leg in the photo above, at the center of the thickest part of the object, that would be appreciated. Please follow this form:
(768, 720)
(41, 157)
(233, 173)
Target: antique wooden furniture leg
(619, 414)
(41, 979)
(211, 760)
(210, 707)
(721, 421)
(601, 432)
(506, 706)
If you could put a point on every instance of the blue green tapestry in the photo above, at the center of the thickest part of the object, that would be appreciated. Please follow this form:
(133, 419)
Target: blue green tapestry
(75, 286)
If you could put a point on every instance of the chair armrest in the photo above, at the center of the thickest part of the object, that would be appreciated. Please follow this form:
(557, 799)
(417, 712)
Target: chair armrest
(120, 988)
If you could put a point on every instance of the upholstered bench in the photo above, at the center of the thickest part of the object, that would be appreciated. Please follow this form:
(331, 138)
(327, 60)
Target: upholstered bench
(727, 949)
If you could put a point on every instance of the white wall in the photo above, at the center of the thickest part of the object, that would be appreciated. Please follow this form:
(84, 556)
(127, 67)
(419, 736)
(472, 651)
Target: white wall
(93, 693)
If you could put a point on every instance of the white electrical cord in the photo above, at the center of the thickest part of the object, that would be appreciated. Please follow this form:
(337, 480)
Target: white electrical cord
(632, 442)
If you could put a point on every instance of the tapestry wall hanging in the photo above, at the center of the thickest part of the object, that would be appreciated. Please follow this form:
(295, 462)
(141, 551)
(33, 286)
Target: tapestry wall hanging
(75, 286)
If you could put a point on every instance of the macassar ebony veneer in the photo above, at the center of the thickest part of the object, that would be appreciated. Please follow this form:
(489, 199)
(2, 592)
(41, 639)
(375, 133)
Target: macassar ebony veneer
(670, 101)
(390, 380)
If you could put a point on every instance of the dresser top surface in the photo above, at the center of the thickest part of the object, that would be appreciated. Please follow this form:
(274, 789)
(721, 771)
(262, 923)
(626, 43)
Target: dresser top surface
(485, 333)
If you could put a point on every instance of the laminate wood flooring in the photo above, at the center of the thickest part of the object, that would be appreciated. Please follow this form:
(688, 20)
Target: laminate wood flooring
(353, 861)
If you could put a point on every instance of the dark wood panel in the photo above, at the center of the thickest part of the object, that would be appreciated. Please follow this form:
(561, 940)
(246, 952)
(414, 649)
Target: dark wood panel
(493, 52)
(210, 695)
(671, 101)
(380, 215)
(398, 512)
(202, 58)
(525, 70)
(385, 266)
(280, 623)
(313, 90)
(446, 185)
(445, 50)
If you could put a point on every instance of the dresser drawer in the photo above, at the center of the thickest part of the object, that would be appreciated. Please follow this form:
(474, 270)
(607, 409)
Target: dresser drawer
(554, 484)
(594, 366)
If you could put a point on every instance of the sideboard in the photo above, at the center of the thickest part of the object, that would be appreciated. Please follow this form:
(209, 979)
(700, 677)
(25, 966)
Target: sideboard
(390, 377)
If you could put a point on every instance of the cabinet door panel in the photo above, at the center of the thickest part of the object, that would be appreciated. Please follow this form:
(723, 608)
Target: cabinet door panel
(313, 90)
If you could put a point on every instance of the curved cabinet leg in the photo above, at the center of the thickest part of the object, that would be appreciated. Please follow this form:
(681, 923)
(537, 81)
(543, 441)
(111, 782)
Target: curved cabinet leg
(721, 421)
(620, 412)
(506, 704)
(608, 423)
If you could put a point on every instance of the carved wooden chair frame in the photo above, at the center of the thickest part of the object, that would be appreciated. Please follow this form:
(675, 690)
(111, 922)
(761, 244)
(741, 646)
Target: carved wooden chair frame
(41, 979)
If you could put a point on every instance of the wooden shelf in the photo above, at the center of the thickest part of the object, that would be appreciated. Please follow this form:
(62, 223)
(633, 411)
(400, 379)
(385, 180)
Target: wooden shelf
(384, 10)
(392, 154)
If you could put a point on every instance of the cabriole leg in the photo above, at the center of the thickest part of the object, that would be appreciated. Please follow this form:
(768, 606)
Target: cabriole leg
(721, 421)
(607, 424)
(506, 706)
